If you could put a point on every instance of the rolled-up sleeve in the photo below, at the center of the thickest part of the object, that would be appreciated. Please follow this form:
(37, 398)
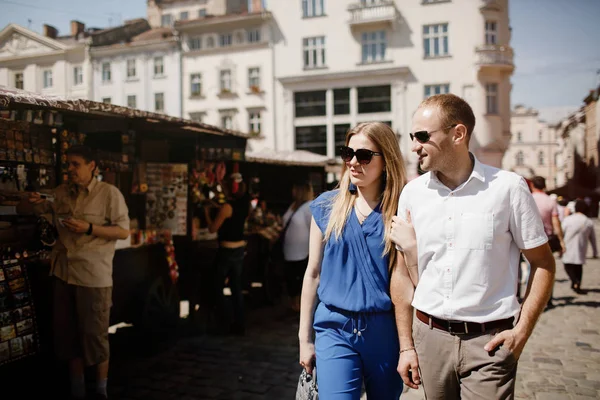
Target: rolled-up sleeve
(118, 213)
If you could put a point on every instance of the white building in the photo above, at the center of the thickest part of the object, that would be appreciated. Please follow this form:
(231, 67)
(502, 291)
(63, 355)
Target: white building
(228, 73)
(143, 73)
(48, 64)
(339, 63)
(534, 147)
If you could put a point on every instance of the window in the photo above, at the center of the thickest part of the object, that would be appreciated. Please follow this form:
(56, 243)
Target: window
(197, 116)
(374, 99)
(541, 159)
(159, 66)
(131, 71)
(519, 136)
(47, 78)
(131, 101)
(106, 75)
(195, 43)
(435, 40)
(491, 92)
(227, 121)
(254, 36)
(159, 102)
(77, 75)
(313, 8)
(491, 32)
(310, 104)
(431, 90)
(254, 79)
(520, 159)
(210, 42)
(374, 45)
(166, 20)
(340, 132)
(225, 40)
(540, 136)
(106, 100)
(254, 122)
(184, 15)
(19, 80)
(225, 81)
(341, 102)
(196, 84)
(202, 13)
(314, 52)
(312, 138)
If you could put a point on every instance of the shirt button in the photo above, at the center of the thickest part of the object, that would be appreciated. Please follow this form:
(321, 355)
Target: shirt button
(359, 333)
(447, 297)
(356, 330)
(449, 218)
(450, 244)
(448, 269)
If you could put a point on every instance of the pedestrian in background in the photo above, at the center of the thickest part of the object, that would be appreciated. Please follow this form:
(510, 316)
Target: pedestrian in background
(348, 274)
(578, 230)
(296, 222)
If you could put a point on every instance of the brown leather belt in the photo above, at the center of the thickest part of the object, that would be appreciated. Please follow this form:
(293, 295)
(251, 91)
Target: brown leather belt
(461, 328)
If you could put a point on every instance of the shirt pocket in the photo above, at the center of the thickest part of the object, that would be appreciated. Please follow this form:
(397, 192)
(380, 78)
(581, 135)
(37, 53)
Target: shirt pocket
(95, 218)
(475, 231)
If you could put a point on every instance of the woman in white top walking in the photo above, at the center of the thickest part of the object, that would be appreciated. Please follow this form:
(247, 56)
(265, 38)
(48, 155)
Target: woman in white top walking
(297, 220)
(578, 229)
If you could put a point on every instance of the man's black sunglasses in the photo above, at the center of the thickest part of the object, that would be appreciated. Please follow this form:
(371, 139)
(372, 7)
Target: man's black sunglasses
(424, 136)
(363, 156)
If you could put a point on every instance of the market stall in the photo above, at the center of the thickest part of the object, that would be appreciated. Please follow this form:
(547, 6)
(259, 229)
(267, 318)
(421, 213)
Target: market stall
(155, 160)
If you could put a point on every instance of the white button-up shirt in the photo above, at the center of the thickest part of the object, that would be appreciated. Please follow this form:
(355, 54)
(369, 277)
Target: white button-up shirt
(468, 242)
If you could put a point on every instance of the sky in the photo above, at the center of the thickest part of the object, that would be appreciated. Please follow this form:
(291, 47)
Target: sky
(556, 42)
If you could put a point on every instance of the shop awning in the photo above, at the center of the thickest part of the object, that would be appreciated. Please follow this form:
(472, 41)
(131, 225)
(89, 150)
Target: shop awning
(296, 157)
(10, 97)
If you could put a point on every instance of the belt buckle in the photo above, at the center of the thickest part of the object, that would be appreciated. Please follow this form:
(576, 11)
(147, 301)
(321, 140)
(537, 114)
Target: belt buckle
(466, 330)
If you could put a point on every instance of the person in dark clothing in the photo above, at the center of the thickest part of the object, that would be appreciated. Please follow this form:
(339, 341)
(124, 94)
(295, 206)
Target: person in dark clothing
(230, 224)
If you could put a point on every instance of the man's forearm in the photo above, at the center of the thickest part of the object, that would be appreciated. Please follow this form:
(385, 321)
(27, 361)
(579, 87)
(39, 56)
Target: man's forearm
(539, 291)
(401, 292)
(111, 232)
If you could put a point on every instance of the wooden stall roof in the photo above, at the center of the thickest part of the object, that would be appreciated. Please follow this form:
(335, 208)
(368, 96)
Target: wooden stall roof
(23, 98)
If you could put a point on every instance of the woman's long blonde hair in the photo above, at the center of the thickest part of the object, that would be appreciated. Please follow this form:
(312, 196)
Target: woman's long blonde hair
(385, 140)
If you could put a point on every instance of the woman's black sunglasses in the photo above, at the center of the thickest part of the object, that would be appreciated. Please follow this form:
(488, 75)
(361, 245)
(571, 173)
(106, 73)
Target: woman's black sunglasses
(424, 136)
(363, 156)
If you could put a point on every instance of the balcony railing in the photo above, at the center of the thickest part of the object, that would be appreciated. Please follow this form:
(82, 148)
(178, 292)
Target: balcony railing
(382, 12)
(495, 56)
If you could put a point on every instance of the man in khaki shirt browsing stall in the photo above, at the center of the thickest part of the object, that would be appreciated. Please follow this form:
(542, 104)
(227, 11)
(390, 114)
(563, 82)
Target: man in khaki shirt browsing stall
(90, 217)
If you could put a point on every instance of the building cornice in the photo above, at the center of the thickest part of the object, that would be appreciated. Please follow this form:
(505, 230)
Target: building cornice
(211, 22)
(229, 49)
(398, 71)
(119, 49)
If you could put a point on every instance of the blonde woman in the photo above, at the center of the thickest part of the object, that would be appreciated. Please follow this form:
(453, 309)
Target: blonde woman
(348, 271)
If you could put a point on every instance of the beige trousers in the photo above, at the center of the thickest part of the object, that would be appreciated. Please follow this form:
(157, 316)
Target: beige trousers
(457, 366)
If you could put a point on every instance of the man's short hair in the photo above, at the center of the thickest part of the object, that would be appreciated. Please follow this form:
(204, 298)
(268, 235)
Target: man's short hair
(581, 206)
(453, 110)
(539, 182)
(84, 152)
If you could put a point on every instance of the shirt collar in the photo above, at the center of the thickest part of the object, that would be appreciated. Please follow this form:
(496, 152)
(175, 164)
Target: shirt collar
(477, 173)
(74, 188)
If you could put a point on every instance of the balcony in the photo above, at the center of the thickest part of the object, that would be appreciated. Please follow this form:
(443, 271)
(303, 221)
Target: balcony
(382, 13)
(496, 57)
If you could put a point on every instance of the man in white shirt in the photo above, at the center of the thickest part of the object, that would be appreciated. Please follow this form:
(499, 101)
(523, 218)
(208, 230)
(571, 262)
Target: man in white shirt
(470, 223)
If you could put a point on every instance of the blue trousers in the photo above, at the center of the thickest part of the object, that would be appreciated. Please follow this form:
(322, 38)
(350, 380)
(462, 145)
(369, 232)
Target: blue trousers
(351, 346)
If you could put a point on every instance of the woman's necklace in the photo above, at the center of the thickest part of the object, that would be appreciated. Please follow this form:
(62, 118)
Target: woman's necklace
(362, 216)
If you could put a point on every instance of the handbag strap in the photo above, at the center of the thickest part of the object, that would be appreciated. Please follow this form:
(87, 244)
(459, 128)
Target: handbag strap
(287, 224)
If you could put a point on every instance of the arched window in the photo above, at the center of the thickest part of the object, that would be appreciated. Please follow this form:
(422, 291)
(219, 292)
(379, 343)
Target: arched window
(541, 160)
(520, 158)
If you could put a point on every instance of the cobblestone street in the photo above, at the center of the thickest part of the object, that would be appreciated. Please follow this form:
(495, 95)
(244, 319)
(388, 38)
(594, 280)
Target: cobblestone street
(561, 360)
